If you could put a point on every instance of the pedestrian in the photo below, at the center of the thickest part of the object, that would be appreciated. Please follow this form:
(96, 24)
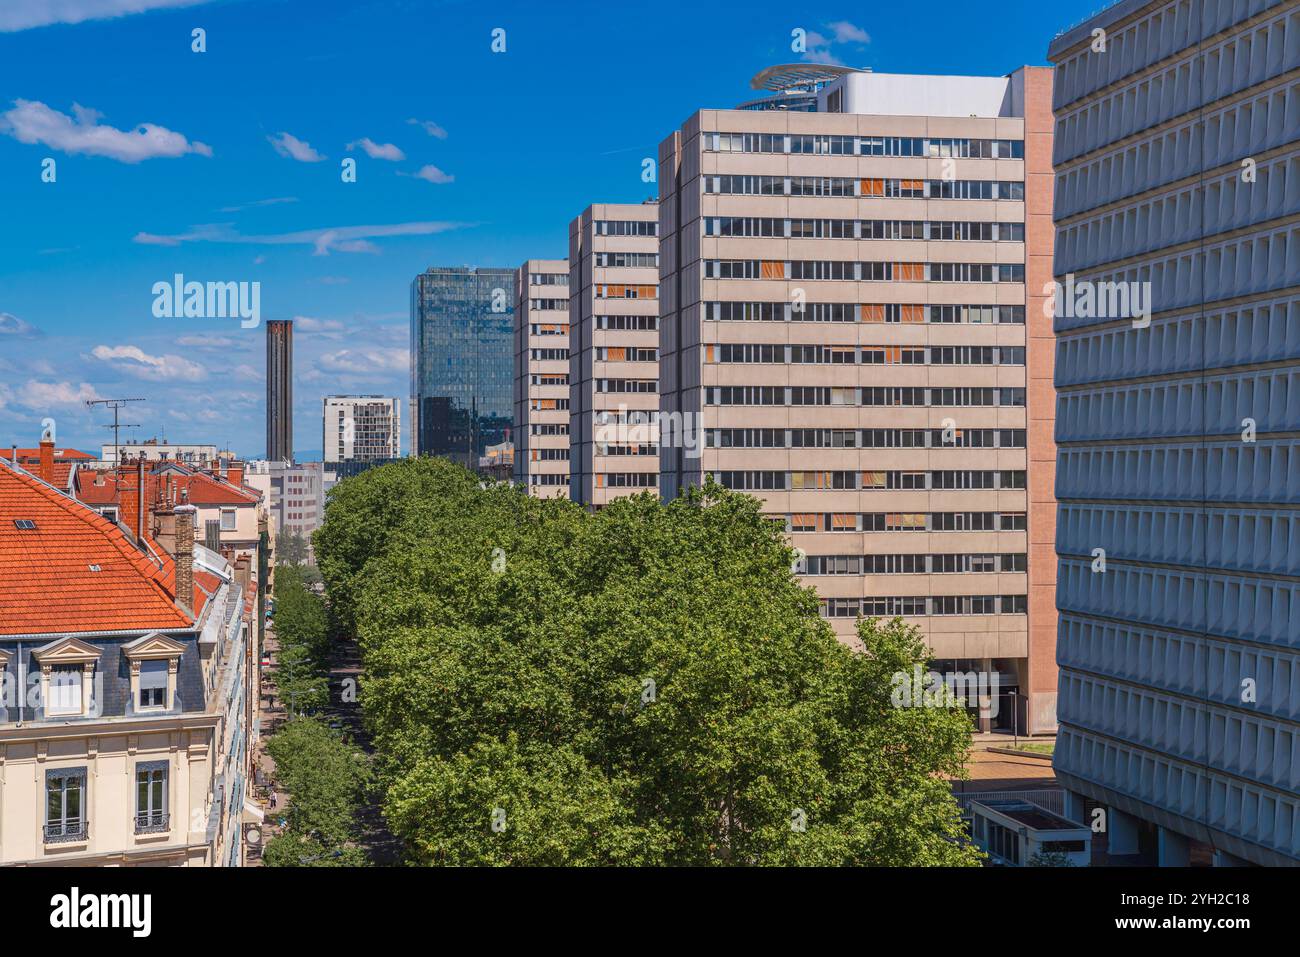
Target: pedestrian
(273, 799)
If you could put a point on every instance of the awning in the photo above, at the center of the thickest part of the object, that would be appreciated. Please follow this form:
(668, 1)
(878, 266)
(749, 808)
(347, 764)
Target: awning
(252, 813)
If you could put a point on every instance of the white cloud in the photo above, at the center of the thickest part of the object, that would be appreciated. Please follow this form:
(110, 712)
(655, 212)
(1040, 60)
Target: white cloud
(247, 372)
(207, 342)
(365, 361)
(276, 201)
(430, 127)
(382, 151)
(135, 361)
(288, 145)
(846, 32)
(18, 15)
(42, 395)
(33, 122)
(328, 327)
(818, 45)
(11, 325)
(432, 174)
(344, 239)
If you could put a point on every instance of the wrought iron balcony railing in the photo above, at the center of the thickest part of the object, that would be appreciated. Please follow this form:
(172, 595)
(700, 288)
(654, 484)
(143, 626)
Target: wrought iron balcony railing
(152, 822)
(61, 831)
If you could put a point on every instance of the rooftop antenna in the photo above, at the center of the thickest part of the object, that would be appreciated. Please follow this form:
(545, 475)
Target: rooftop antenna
(116, 405)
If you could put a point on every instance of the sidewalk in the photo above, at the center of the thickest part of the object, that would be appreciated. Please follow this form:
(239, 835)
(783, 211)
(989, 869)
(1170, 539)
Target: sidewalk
(271, 715)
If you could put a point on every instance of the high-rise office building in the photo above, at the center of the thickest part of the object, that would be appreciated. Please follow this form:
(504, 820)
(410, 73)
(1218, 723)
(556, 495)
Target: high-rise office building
(279, 390)
(462, 361)
(852, 330)
(361, 428)
(613, 352)
(542, 377)
(1178, 472)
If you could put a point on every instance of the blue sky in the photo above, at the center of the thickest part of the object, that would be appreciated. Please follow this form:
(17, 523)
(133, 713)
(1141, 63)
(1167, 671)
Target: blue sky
(504, 150)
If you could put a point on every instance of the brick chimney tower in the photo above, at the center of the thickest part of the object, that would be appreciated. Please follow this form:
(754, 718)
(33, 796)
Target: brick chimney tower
(185, 515)
(46, 471)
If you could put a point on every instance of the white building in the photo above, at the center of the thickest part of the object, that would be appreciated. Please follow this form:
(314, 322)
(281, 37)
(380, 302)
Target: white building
(295, 493)
(361, 428)
(152, 450)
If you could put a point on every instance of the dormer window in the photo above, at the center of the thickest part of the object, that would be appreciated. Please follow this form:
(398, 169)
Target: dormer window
(153, 686)
(154, 664)
(67, 677)
(65, 690)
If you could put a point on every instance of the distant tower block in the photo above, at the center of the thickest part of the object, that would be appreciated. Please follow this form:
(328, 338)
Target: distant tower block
(279, 390)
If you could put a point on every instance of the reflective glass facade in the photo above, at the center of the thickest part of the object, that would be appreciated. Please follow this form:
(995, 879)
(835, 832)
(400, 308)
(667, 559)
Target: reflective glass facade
(462, 360)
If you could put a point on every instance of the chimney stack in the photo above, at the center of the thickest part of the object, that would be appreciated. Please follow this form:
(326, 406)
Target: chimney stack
(185, 557)
(47, 460)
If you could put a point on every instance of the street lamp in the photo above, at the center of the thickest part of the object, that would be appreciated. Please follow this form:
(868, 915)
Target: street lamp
(293, 695)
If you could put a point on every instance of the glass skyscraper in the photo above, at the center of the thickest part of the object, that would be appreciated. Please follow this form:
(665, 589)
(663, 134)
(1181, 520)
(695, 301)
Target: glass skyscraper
(462, 361)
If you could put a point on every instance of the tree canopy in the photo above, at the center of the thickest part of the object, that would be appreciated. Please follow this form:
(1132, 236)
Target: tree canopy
(648, 684)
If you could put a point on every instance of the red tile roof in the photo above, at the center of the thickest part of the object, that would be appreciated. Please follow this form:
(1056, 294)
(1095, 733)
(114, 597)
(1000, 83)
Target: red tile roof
(201, 488)
(46, 584)
(33, 456)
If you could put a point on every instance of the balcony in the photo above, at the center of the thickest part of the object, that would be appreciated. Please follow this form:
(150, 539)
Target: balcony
(63, 831)
(152, 822)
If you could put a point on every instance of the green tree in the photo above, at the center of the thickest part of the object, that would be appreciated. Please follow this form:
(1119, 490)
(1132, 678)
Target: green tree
(326, 780)
(290, 548)
(645, 685)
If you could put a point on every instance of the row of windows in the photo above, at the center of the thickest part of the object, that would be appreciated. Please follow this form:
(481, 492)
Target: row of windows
(635, 260)
(918, 606)
(755, 185)
(626, 354)
(847, 145)
(917, 229)
(892, 312)
(905, 522)
(627, 385)
(559, 428)
(627, 479)
(551, 379)
(625, 227)
(548, 279)
(66, 801)
(614, 448)
(869, 396)
(628, 323)
(748, 353)
(549, 328)
(548, 355)
(895, 480)
(550, 455)
(554, 305)
(858, 271)
(543, 478)
(546, 405)
(913, 564)
(625, 291)
(864, 438)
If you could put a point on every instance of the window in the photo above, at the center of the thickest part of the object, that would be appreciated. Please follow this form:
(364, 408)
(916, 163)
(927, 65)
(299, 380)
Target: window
(153, 684)
(64, 690)
(151, 797)
(65, 805)
(227, 519)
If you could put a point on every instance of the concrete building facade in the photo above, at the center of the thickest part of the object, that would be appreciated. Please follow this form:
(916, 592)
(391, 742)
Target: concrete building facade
(613, 352)
(542, 377)
(361, 428)
(1178, 472)
(852, 330)
(279, 390)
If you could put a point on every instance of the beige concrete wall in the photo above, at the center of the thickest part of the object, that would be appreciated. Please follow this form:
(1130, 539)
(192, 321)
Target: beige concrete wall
(541, 403)
(1024, 643)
